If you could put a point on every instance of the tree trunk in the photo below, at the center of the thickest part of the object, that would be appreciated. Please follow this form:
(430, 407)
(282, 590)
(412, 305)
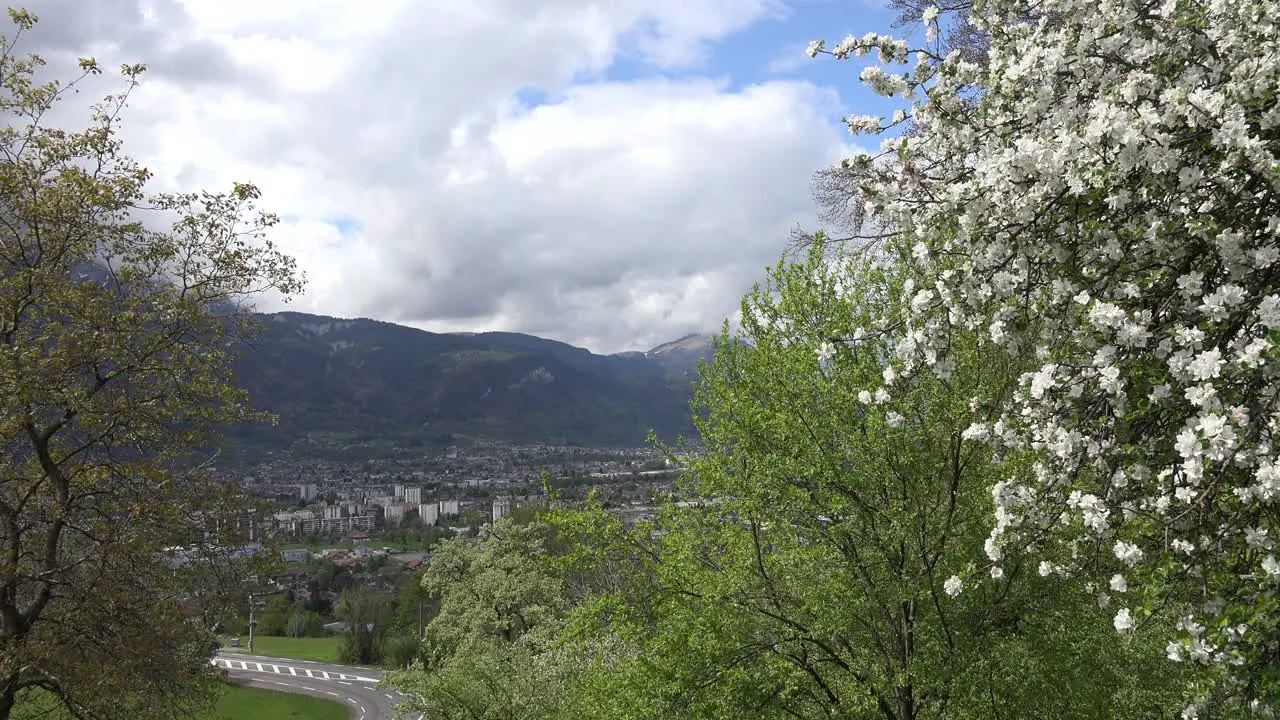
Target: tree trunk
(8, 698)
(907, 709)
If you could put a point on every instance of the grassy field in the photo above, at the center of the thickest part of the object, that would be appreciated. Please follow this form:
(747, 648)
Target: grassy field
(322, 649)
(246, 703)
(237, 703)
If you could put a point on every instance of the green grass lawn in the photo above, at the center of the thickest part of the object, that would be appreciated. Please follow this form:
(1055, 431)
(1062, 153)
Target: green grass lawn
(247, 703)
(321, 649)
(236, 703)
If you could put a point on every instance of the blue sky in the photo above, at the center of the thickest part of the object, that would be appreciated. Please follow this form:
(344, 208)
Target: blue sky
(773, 49)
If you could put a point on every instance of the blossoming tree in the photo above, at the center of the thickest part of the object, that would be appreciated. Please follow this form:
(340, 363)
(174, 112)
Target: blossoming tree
(1103, 193)
(821, 564)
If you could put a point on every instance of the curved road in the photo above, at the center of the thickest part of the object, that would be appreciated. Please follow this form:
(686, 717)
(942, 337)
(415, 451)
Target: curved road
(352, 686)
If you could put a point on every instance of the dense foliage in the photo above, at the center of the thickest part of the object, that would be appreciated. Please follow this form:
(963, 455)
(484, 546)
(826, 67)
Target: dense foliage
(822, 558)
(823, 562)
(114, 338)
(489, 652)
(1104, 192)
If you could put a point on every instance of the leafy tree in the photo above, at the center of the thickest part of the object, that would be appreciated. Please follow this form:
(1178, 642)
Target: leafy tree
(526, 513)
(822, 564)
(414, 606)
(1112, 168)
(399, 651)
(368, 618)
(304, 623)
(114, 339)
(495, 587)
(490, 651)
(276, 617)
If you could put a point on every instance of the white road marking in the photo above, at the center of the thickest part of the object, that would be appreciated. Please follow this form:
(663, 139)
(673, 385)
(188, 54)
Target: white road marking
(289, 670)
(299, 662)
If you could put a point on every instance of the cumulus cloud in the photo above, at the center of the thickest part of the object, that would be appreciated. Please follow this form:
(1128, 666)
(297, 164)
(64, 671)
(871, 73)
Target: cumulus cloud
(418, 186)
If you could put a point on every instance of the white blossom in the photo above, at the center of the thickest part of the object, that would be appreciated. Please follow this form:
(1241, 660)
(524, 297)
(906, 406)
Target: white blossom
(1269, 311)
(1113, 217)
(1127, 553)
(826, 351)
(922, 300)
(1206, 365)
(1043, 380)
(952, 586)
(1257, 538)
(1123, 621)
(996, 330)
(863, 124)
(1160, 392)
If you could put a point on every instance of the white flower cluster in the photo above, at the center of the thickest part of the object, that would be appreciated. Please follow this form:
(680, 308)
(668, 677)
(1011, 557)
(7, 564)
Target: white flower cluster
(1109, 182)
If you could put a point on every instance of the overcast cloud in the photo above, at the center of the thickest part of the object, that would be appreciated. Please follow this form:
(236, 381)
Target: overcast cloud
(575, 169)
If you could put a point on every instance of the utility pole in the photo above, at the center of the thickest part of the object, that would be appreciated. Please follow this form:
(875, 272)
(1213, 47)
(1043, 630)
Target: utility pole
(252, 620)
(251, 623)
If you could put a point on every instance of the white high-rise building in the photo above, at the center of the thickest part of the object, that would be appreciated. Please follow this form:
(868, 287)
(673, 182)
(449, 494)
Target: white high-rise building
(393, 515)
(448, 508)
(430, 513)
(308, 492)
(413, 495)
(501, 508)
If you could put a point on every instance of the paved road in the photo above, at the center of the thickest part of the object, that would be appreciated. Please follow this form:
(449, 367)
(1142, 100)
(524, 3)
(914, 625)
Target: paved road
(352, 686)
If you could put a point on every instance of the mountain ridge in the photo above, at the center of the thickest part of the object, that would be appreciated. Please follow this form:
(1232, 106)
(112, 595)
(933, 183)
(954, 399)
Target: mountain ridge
(338, 377)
